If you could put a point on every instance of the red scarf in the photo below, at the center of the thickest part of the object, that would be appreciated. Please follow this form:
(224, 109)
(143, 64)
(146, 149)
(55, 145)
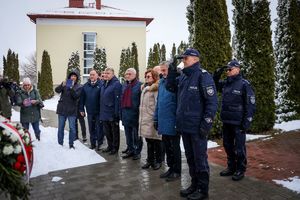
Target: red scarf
(126, 99)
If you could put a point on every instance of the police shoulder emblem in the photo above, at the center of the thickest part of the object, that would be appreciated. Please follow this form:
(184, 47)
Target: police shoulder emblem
(210, 91)
(252, 99)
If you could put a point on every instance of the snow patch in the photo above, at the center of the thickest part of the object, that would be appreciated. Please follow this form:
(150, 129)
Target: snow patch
(56, 179)
(51, 104)
(292, 183)
(210, 144)
(250, 137)
(288, 126)
(50, 156)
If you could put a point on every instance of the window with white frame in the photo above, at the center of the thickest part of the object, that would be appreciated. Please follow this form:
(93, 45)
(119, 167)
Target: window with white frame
(89, 45)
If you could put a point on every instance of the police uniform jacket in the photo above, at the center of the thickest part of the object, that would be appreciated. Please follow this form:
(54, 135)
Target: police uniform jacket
(238, 101)
(196, 100)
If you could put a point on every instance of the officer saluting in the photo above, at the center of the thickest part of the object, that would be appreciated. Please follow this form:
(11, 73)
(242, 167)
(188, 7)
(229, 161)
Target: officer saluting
(196, 108)
(238, 107)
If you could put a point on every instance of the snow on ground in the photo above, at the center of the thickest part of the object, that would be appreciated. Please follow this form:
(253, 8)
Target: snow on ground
(292, 183)
(210, 144)
(288, 126)
(51, 104)
(50, 156)
(250, 137)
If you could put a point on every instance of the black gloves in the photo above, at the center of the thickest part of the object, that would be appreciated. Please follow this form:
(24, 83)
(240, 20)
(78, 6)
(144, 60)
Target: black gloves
(218, 73)
(155, 124)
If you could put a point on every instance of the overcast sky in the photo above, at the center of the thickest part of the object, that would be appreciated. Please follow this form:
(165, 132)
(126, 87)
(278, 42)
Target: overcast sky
(169, 25)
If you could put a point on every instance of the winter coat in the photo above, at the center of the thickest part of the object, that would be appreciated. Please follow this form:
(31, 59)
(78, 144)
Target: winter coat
(238, 101)
(32, 113)
(130, 116)
(165, 112)
(147, 109)
(90, 98)
(5, 105)
(196, 100)
(110, 100)
(68, 102)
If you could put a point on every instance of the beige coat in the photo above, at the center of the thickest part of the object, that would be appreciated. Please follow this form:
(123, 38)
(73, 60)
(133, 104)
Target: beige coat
(147, 109)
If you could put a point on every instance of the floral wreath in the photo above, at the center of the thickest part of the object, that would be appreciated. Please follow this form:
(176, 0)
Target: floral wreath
(16, 159)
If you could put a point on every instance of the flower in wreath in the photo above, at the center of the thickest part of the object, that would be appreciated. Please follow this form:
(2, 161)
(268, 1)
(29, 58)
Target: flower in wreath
(16, 156)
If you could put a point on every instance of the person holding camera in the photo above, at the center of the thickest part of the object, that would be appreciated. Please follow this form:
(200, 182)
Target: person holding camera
(67, 106)
(164, 123)
(238, 107)
(6, 93)
(30, 101)
(110, 110)
(196, 109)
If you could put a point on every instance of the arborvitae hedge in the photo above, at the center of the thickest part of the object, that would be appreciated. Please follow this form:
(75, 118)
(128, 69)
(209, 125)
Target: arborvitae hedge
(46, 82)
(11, 66)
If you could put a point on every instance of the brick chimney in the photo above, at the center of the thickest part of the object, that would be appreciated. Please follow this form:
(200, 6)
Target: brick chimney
(98, 4)
(76, 3)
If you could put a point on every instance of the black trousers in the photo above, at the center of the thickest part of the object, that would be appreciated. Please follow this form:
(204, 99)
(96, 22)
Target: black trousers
(153, 151)
(172, 147)
(82, 125)
(111, 130)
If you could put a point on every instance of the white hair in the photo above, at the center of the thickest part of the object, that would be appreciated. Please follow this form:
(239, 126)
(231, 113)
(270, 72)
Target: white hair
(26, 81)
(131, 70)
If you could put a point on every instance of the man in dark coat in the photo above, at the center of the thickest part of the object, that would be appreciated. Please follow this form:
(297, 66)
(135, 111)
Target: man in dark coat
(130, 102)
(110, 110)
(165, 122)
(67, 106)
(6, 93)
(196, 108)
(238, 107)
(90, 100)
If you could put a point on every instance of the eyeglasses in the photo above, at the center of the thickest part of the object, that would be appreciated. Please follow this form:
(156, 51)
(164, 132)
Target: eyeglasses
(26, 85)
(229, 70)
(128, 74)
(148, 76)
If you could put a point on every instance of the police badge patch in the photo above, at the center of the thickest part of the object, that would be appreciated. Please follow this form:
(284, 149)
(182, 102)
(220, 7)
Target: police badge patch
(210, 91)
(252, 99)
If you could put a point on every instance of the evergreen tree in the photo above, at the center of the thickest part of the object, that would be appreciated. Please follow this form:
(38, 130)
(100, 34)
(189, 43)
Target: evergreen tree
(173, 52)
(125, 61)
(39, 80)
(287, 50)
(211, 33)
(262, 73)
(190, 21)
(182, 47)
(46, 82)
(134, 58)
(156, 54)
(150, 59)
(100, 59)
(74, 63)
(163, 53)
(11, 66)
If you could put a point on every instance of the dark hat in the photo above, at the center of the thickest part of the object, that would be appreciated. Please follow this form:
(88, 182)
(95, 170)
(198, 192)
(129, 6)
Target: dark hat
(233, 63)
(189, 52)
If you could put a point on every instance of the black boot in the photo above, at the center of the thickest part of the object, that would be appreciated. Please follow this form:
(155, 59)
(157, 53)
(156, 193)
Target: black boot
(191, 189)
(146, 166)
(238, 176)
(227, 172)
(197, 195)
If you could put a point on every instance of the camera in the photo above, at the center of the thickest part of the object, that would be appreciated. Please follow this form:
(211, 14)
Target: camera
(173, 63)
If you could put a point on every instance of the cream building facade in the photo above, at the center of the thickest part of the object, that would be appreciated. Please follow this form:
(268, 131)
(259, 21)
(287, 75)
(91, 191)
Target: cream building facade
(82, 28)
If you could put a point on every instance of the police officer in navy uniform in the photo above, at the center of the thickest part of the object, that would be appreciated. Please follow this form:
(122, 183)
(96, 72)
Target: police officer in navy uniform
(238, 107)
(196, 108)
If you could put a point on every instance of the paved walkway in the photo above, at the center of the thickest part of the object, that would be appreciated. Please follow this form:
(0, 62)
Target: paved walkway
(124, 179)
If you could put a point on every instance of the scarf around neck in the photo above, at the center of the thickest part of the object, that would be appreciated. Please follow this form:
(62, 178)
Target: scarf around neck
(126, 99)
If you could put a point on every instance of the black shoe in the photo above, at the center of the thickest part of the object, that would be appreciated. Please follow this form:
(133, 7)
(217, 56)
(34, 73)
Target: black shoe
(146, 166)
(127, 155)
(227, 172)
(166, 174)
(238, 176)
(172, 177)
(113, 152)
(136, 157)
(92, 147)
(37, 137)
(98, 148)
(186, 192)
(197, 195)
(72, 146)
(156, 166)
(84, 140)
(125, 151)
(106, 150)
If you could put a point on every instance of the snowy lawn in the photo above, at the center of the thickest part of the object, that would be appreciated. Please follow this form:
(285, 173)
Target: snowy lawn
(292, 183)
(50, 156)
(288, 126)
(51, 104)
